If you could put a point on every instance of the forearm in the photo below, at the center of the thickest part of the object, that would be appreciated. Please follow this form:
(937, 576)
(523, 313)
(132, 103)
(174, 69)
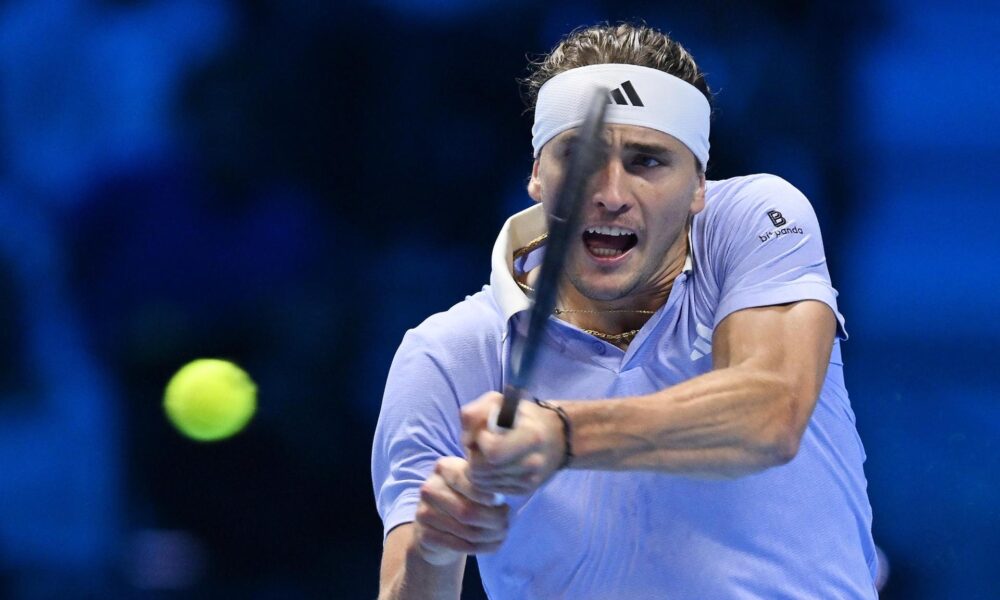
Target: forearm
(406, 575)
(727, 422)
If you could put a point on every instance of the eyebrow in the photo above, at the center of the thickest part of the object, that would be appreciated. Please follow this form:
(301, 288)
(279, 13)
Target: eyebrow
(644, 148)
(654, 149)
(572, 141)
(640, 147)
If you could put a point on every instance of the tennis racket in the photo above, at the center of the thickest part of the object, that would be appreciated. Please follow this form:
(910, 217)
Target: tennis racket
(564, 219)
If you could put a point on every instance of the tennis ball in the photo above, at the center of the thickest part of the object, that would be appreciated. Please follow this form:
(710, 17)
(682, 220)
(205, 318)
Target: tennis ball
(210, 399)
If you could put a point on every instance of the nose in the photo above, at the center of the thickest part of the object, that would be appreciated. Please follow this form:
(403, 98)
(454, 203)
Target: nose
(609, 187)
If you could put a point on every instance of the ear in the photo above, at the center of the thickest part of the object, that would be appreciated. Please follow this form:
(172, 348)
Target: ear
(535, 184)
(698, 203)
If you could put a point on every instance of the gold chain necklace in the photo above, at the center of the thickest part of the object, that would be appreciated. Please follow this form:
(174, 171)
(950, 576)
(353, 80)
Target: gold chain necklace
(625, 337)
(567, 311)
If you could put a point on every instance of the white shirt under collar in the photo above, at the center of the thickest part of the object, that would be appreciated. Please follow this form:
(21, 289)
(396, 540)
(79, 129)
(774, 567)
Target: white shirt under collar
(518, 232)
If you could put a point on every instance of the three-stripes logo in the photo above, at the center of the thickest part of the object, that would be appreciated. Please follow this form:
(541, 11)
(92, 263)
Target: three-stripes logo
(702, 344)
(617, 97)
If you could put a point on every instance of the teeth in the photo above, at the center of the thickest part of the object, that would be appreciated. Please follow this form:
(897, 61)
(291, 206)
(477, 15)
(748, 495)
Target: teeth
(604, 230)
(606, 252)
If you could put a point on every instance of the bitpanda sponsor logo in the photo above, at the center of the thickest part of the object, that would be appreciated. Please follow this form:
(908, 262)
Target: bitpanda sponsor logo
(777, 219)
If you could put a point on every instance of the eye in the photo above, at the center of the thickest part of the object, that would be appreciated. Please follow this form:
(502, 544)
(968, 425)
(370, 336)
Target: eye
(645, 161)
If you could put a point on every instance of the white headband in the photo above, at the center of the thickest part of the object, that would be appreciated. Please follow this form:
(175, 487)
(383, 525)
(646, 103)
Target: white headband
(638, 96)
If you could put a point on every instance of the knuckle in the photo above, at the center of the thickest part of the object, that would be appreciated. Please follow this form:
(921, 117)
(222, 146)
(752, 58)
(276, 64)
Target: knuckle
(492, 456)
(537, 437)
(423, 513)
(426, 490)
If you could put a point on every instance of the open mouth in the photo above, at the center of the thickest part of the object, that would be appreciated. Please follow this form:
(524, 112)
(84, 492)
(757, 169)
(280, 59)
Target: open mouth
(609, 242)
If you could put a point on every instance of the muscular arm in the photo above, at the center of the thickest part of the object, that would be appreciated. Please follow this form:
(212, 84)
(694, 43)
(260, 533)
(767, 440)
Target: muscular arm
(425, 559)
(747, 414)
(405, 574)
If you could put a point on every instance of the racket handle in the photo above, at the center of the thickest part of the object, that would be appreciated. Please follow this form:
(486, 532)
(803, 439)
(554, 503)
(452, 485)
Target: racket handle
(503, 417)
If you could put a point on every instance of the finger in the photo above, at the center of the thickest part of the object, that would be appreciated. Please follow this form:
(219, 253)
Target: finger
(491, 483)
(484, 481)
(438, 495)
(454, 472)
(475, 415)
(430, 516)
(480, 469)
(502, 449)
(436, 540)
(468, 513)
(498, 485)
(523, 479)
(520, 488)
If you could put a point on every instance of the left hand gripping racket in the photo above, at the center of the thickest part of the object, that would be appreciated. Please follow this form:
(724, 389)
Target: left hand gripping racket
(588, 155)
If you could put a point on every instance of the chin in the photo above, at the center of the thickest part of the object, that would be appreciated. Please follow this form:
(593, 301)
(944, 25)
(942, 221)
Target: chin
(603, 288)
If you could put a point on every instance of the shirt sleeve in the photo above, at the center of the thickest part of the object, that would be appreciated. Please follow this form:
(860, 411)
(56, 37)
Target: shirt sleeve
(418, 424)
(768, 249)
(449, 360)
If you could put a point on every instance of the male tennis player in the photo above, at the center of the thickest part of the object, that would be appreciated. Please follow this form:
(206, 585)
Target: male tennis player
(694, 438)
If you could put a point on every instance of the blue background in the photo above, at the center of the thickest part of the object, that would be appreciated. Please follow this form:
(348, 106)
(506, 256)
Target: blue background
(291, 185)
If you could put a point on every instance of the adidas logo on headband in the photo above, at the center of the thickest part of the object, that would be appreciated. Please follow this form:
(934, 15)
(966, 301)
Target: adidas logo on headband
(668, 104)
(618, 98)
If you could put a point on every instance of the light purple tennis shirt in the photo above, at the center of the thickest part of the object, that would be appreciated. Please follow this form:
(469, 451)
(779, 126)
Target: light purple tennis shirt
(801, 530)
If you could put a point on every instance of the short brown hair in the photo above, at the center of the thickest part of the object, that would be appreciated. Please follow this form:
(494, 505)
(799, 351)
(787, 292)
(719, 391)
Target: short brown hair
(624, 43)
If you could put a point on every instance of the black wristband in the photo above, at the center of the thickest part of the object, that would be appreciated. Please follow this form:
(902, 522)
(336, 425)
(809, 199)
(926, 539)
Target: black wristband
(567, 430)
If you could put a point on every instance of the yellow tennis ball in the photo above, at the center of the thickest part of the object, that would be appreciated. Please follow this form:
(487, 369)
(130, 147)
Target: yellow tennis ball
(210, 399)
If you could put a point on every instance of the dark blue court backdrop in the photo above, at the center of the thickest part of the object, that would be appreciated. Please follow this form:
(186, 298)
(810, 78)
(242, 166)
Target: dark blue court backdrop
(293, 184)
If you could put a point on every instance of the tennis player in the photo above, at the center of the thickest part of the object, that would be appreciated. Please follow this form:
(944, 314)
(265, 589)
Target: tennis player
(693, 437)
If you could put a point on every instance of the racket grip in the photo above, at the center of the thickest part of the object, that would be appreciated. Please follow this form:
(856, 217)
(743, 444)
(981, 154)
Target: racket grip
(503, 418)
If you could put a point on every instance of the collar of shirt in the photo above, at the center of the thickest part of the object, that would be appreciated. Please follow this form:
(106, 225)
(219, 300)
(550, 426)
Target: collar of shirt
(518, 232)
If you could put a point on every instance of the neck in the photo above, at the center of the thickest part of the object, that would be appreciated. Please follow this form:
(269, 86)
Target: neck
(628, 312)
